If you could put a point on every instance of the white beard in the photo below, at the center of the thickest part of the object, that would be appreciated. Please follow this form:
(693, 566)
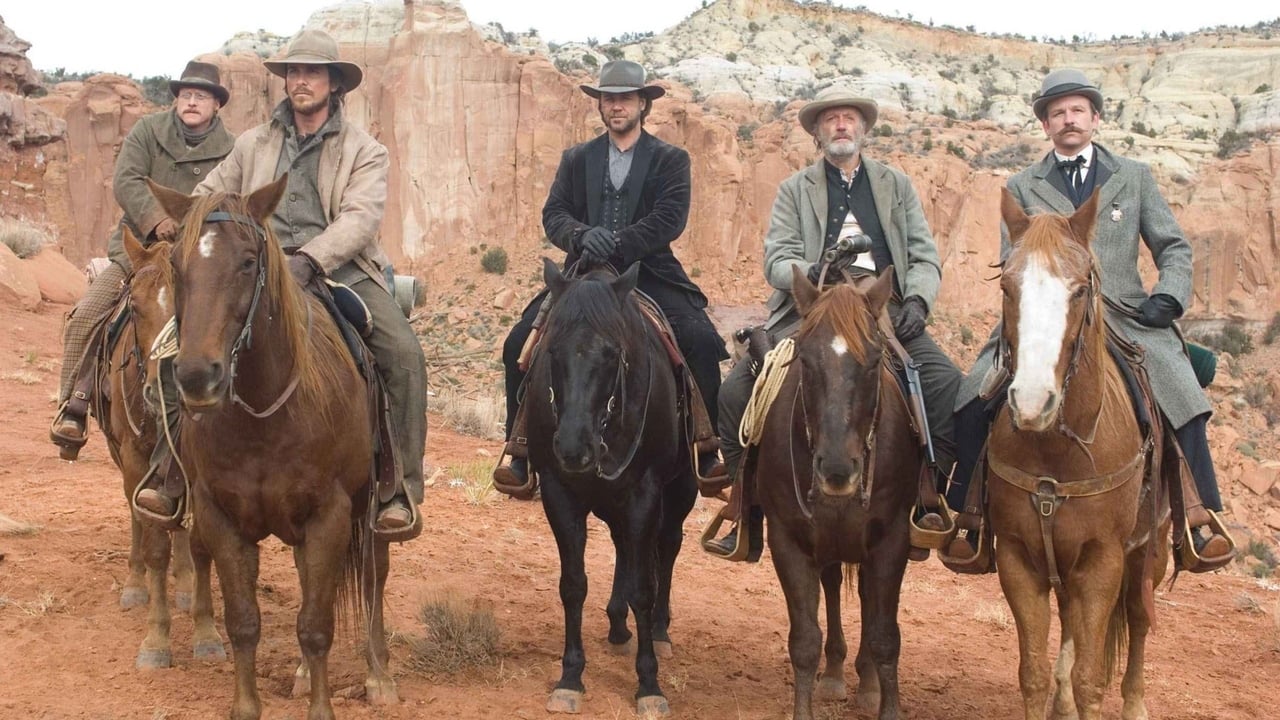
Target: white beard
(842, 149)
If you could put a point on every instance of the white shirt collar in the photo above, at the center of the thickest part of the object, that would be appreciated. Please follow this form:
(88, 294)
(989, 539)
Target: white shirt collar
(1086, 153)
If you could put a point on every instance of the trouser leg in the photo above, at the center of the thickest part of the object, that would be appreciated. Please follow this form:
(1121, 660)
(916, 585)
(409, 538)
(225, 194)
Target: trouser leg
(940, 381)
(100, 298)
(703, 349)
(511, 349)
(402, 366)
(971, 423)
(1193, 438)
(735, 392)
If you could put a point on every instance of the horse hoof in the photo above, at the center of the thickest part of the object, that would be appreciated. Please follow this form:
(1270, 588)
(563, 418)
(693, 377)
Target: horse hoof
(652, 706)
(381, 692)
(623, 648)
(565, 701)
(867, 702)
(182, 600)
(132, 597)
(154, 659)
(663, 649)
(830, 690)
(209, 651)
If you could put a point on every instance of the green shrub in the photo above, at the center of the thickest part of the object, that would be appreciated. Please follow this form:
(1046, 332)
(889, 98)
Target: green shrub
(495, 261)
(1273, 330)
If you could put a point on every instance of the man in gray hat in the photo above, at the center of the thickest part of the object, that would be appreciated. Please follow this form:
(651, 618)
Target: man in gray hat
(1130, 210)
(845, 194)
(328, 221)
(176, 148)
(623, 198)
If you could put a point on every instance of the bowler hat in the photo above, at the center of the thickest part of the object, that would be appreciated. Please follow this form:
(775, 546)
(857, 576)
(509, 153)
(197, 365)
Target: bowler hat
(1061, 83)
(837, 97)
(201, 76)
(316, 47)
(623, 76)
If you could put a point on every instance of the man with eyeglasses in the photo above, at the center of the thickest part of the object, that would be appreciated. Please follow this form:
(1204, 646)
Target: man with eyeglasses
(176, 148)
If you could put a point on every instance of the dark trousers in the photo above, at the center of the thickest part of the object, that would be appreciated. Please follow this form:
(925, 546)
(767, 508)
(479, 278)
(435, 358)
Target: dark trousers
(939, 381)
(696, 336)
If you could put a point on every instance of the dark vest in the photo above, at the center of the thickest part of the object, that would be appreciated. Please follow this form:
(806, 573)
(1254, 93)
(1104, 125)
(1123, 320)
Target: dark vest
(857, 197)
(613, 205)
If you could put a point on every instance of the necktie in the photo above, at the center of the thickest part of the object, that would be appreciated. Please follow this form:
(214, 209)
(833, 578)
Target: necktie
(1073, 170)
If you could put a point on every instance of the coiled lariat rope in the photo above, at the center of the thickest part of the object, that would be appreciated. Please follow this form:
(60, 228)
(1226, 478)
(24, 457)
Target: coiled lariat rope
(772, 372)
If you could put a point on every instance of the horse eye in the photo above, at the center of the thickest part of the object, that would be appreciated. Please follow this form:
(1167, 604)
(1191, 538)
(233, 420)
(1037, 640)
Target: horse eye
(248, 263)
(1079, 293)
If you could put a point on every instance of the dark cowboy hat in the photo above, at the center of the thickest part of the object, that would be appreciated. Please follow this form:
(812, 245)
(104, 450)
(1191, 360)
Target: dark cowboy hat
(623, 76)
(316, 47)
(837, 97)
(201, 76)
(1061, 83)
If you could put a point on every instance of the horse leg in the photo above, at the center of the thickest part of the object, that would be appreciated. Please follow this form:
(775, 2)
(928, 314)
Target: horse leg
(1093, 592)
(619, 636)
(1064, 700)
(642, 538)
(205, 640)
(183, 572)
(379, 687)
(678, 499)
(1133, 687)
(237, 564)
(798, 576)
(320, 560)
(879, 586)
(1027, 593)
(155, 652)
(134, 593)
(831, 685)
(568, 520)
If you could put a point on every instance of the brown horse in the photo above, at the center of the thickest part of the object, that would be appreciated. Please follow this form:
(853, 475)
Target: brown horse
(276, 433)
(129, 425)
(836, 473)
(1070, 510)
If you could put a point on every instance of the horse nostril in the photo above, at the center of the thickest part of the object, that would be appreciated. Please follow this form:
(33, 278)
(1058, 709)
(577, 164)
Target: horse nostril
(1049, 401)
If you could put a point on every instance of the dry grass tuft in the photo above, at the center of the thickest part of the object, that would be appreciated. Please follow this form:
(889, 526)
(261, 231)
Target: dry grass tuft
(994, 614)
(475, 477)
(461, 633)
(478, 417)
(22, 377)
(11, 527)
(24, 238)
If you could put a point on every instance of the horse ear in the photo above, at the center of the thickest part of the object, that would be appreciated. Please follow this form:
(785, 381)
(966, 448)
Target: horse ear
(880, 291)
(174, 203)
(1084, 219)
(626, 282)
(262, 202)
(1015, 218)
(802, 290)
(552, 277)
(137, 254)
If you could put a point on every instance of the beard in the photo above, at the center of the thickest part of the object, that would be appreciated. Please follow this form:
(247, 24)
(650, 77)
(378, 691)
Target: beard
(308, 104)
(627, 126)
(841, 148)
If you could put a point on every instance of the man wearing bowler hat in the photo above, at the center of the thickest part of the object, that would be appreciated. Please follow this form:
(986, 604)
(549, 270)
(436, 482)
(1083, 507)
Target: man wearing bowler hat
(844, 195)
(1130, 210)
(622, 198)
(328, 222)
(176, 148)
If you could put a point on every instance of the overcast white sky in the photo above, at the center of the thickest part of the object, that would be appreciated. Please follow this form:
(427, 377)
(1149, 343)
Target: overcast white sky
(149, 37)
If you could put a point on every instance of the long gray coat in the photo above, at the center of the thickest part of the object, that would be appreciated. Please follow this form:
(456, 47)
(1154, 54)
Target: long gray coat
(797, 231)
(1130, 208)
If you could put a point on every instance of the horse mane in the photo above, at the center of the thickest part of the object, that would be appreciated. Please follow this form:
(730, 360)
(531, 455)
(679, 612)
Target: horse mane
(316, 348)
(591, 303)
(846, 310)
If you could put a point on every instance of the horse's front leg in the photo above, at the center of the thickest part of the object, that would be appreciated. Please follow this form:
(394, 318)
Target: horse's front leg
(155, 652)
(879, 587)
(134, 593)
(1133, 687)
(1027, 592)
(1094, 605)
(205, 640)
(320, 562)
(379, 686)
(183, 570)
(568, 520)
(831, 686)
(798, 575)
(679, 495)
(642, 537)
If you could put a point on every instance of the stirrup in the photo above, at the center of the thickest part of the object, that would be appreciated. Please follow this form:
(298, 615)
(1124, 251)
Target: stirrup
(68, 446)
(167, 522)
(1192, 561)
(981, 561)
(408, 532)
(928, 539)
(742, 550)
(527, 490)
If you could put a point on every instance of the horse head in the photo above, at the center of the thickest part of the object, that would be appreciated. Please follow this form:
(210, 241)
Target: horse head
(150, 298)
(229, 273)
(839, 348)
(593, 340)
(1051, 303)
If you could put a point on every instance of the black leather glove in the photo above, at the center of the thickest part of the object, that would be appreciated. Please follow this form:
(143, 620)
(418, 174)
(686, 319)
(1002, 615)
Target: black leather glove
(598, 244)
(1159, 311)
(303, 268)
(814, 271)
(911, 319)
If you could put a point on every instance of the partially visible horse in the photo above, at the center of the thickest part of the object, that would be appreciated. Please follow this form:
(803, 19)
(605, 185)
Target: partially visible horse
(129, 426)
(606, 437)
(276, 433)
(836, 473)
(1068, 505)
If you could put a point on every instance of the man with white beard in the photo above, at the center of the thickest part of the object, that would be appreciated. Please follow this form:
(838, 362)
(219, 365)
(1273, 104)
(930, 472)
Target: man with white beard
(845, 194)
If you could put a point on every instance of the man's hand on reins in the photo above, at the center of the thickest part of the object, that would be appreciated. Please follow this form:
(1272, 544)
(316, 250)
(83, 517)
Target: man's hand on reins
(598, 244)
(303, 268)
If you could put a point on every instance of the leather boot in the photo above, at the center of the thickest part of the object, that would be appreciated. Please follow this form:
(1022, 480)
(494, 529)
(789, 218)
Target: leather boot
(69, 432)
(514, 479)
(395, 515)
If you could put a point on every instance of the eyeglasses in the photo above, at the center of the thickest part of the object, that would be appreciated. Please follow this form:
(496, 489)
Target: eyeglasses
(189, 95)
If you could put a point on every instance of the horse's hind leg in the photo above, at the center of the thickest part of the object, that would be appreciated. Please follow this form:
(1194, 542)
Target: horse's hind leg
(183, 573)
(380, 688)
(1027, 593)
(831, 686)
(237, 563)
(642, 526)
(619, 636)
(155, 652)
(205, 640)
(678, 499)
(799, 579)
(134, 593)
(1093, 591)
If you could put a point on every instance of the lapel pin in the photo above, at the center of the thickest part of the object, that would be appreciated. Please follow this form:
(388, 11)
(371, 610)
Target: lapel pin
(1116, 215)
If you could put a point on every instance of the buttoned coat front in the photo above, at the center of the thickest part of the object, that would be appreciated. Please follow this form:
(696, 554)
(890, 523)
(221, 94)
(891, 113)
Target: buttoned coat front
(1130, 211)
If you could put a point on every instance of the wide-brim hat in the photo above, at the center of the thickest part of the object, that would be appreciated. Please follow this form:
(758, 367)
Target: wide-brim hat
(316, 47)
(1061, 83)
(837, 97)
(201, 76)
(623, 76)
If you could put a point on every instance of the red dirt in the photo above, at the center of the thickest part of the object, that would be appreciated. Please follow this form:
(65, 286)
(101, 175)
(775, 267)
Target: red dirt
(67, 649)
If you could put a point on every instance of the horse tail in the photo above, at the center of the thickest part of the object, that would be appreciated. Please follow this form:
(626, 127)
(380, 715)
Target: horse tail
(1116, 644)
(356, 587)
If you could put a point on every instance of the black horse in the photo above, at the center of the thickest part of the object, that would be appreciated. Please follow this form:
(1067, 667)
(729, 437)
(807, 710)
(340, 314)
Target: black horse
(606, 437)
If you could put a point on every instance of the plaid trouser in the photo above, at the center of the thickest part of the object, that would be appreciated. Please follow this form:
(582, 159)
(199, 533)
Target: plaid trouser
(102, 296)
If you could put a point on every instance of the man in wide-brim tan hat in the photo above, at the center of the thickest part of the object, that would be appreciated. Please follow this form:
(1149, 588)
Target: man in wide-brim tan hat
(845, 194)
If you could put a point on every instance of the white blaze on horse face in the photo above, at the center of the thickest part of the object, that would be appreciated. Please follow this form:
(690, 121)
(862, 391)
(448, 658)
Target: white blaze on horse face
(838, 346)
(1042, 325)
(206, 245)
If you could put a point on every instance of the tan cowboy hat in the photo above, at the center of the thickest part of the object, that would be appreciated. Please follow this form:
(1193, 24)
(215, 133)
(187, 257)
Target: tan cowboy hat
(623, 76)
(316, 47)
(201, 76)
(1061, 83)
(837, 97)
